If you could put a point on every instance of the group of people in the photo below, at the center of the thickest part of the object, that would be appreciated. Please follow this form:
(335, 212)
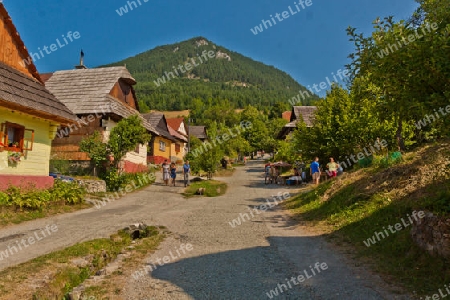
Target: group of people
(169, 172)
(333, 169)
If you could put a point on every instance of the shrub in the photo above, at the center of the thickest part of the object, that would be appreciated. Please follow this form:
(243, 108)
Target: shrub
(69, 192)
(386, 162)
(114, 180)
(4, 199)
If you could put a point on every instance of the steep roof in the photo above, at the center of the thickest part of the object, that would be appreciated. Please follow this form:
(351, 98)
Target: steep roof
(198, 131)
(176, 134)
(158, 121)
(26, 94)
(84, 90)
(174, 122)
(87, 91)
(306, 112)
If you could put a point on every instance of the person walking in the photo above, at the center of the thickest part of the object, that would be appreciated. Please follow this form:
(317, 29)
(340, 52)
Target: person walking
(314, 170)
(186, 171)
(166, 172)
(173, 172)
(332, 167)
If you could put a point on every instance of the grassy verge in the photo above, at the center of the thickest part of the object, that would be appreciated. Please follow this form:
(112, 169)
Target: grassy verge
(224, 172)
(53, 275)
(352, 208)
(213, 188)
(20, 205)
(9, 215)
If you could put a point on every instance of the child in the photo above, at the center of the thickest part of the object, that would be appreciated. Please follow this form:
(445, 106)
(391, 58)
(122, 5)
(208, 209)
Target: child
(173, 172)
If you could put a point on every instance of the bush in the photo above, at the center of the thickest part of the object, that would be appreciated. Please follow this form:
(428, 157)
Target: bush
(115, 181)
(386, 162)
(69, 192)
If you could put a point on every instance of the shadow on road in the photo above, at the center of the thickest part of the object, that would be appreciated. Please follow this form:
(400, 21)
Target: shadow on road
(254, 272)
(238, 274)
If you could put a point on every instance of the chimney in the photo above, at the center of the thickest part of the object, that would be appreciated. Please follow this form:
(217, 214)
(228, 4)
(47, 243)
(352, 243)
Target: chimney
(81, 65)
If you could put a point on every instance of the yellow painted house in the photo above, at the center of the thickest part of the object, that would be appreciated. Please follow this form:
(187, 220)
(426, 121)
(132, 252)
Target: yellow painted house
(160, 146)
(29, 114)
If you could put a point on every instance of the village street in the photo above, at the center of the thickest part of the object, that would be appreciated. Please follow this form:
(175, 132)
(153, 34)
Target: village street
(244, 262)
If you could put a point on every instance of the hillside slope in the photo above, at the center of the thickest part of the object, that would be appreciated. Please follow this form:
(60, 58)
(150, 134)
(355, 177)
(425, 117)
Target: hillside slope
(223, 75)
(358, 204)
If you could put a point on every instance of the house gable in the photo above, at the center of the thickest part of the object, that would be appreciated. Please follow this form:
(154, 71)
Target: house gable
(124, 92)
(13, 51)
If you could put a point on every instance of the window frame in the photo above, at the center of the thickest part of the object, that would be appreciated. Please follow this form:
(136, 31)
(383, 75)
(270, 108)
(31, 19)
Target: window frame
(162, 146)
(21, 130)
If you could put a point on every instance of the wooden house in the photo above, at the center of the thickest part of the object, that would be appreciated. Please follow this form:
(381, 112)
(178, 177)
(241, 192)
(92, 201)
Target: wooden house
(178, 129)
(199, 132)
(305, 113)
(100, 98)
(29, 114)
(160, 146)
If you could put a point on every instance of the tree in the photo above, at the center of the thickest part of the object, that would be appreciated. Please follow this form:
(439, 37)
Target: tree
(210, 159)
(125, 136)
(96, 149)
(406, 62)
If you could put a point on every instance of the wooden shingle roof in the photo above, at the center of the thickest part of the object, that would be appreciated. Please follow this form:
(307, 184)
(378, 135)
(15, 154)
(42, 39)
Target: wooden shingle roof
(306, 112)
(24, 93)
(84, 90)
(87, 91)
(198, 131)
(158, 121)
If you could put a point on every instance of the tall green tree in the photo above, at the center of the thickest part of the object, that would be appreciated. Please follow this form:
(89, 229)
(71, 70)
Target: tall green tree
(125, 136)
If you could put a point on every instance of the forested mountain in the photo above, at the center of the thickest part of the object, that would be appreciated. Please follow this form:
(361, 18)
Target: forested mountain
(223, 74)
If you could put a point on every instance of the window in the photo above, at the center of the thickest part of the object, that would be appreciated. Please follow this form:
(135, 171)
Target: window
(15, 137)
(137, 148)
(162, 146)
(177, 148)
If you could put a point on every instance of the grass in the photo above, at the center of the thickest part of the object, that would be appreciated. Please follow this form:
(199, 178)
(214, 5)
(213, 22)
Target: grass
(224, 172)
(213, 188)
(9, 215)
(353, 209)
(53, 275)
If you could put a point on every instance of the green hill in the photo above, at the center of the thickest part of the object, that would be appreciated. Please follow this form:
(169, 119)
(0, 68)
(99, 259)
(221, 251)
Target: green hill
(223, 75)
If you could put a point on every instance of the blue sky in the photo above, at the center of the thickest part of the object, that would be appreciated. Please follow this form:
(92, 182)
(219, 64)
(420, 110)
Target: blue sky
(308, 45)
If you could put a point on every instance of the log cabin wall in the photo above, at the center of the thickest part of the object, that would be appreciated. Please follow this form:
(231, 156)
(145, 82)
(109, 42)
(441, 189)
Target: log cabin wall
(67, 147)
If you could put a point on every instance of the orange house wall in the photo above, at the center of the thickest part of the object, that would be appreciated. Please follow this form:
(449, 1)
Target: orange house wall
(8, 50)
(117, 92)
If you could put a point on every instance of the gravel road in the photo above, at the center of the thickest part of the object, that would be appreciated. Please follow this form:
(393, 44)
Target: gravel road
(251, 259)
(266, 252)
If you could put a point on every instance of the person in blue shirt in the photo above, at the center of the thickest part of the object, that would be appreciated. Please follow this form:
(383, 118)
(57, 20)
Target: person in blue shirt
(315, 170)
(173, 172)
(186, 171)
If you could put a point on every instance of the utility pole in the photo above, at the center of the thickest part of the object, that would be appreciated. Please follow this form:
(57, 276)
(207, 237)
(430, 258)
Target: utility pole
(189, 134)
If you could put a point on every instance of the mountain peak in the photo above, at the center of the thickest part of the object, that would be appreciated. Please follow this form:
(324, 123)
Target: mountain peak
(171, 76)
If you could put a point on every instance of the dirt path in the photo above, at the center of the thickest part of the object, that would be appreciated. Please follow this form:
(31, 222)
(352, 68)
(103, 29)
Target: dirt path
(244, 262)
(251, 259)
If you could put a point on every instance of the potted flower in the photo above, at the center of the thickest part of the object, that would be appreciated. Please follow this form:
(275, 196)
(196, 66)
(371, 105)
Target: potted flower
(14, 157)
